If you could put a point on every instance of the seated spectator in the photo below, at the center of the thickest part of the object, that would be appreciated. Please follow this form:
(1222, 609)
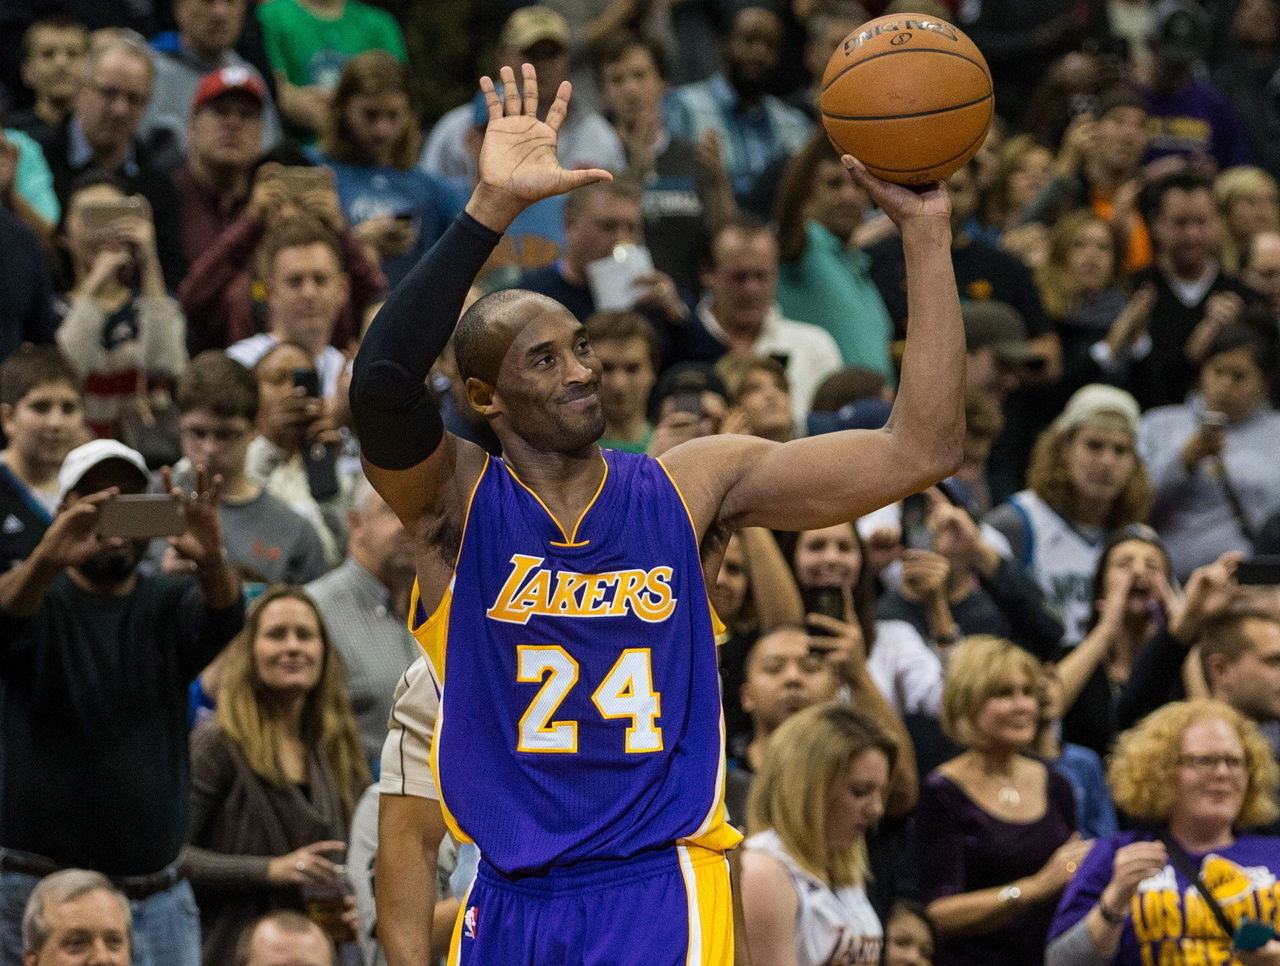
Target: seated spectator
(1097, 169)
(102, 132)
(1082, 286)
(1024, 170)
(909, 937)
(759, 397)
(1196, 776)
(960, 585)
(53, 54)
(538, 36)
(685, 187)
(1085, 481)
(996, 828)
(598, 218)
(309, 41)
(1210, 459)
(300, 264)
(42, 414)
(295, 446)
(738, 314)
(1248, 201)
(364, 604)
(121, 330)
(824, 277)
(76, 911)
(1189, 116)
(224, 127)
(83, 628)
(203, 44)
(753, 126)
(264, 537)
(1081, 766)
(371, 141)
(1240, 651)
(219, 295)
(284, 938)
(819, 792)
(907, 673)
(275, 775)
(629, 355)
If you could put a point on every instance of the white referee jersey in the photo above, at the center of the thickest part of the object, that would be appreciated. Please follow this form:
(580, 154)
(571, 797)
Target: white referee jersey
(406, 754)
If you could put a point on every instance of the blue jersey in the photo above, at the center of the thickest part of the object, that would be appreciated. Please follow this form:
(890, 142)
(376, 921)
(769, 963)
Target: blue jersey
(580, 716)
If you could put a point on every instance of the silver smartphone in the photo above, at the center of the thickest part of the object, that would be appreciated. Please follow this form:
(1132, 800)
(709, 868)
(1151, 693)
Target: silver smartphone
(142, 516)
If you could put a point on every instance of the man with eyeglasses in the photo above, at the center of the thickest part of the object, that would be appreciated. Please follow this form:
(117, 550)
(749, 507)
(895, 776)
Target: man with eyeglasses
(103, 133)
(264, 538)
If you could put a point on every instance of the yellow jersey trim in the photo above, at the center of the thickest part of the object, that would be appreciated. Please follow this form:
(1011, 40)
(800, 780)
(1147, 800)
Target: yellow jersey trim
(570, 537)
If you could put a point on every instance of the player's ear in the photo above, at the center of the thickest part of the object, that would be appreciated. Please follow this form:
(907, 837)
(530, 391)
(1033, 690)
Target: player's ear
(480, 395)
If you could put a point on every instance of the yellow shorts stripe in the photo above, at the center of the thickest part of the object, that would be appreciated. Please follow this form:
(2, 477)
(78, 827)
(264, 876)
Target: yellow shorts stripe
(455, 941)
(706, 884)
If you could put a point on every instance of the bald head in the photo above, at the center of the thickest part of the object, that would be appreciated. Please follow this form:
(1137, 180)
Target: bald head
(487, 329)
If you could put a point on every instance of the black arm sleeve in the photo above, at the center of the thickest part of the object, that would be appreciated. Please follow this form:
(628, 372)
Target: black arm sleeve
(394, 414)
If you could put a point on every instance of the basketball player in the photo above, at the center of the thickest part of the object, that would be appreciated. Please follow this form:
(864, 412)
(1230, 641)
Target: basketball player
(562, 588)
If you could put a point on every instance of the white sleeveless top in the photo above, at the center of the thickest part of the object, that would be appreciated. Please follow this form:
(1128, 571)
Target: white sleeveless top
(833, 928)
(1062, 559)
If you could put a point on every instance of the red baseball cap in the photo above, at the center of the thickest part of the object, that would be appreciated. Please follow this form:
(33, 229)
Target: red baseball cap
(226, 81)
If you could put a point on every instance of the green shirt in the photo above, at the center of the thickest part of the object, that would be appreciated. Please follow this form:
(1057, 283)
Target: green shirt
(637, 446)
(312, 50)
(829, 286)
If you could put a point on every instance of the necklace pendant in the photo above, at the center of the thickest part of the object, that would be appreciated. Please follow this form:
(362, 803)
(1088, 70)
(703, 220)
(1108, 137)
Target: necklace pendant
(1009, 797)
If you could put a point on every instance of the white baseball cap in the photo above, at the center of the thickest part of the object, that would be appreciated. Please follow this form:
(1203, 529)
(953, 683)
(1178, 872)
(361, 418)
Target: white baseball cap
(84, 458)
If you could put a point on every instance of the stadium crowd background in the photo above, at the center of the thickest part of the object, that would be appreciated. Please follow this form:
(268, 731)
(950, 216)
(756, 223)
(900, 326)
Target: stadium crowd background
(203, 204)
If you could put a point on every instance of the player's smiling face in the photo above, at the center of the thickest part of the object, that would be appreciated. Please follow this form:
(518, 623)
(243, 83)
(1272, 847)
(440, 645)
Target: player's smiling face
(548, 387)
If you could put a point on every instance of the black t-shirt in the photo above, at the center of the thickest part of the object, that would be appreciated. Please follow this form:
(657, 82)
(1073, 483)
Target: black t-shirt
(94, 698)
(23, 520)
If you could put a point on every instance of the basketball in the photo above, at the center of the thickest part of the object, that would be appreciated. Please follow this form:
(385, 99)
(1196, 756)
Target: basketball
(909, 96)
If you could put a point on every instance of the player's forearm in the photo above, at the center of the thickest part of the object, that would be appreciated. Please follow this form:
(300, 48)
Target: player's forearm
(409, 833)
(929, 410)
(394, 414)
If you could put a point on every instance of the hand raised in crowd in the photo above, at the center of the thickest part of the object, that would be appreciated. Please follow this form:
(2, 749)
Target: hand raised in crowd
(72, 537)
(1115, 600)
(1052, 877)
(1132, 864)
(1220, 309)
(1077, 142)
(841, 642)
(640, 140)
(201, 538)
(387, 235)
(1133, 321)
(269, 198)
(957, 537)
(677, 426)
(109, 263)
(1210, 592)
(657, 292)
(1210, 439)
(307, 864)
(323, 203)
(291, 419)
(708, 152)
(924, 575)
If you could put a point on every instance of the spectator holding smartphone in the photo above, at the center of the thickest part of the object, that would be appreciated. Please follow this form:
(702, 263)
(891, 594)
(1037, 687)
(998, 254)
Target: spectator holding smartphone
(121, 330)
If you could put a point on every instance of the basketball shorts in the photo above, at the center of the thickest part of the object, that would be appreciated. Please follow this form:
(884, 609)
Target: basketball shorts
(665, 908)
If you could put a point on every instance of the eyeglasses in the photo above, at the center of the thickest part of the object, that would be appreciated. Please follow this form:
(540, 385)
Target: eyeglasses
(1211, 762)
(132, 98)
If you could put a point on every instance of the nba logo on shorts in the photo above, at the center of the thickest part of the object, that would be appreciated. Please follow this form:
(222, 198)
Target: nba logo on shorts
(470, 922)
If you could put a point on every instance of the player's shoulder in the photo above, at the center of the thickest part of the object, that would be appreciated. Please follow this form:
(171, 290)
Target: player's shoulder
(706, 468)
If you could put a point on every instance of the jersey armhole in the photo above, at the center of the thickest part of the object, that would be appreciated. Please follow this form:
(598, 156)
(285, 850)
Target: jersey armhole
(718, 627)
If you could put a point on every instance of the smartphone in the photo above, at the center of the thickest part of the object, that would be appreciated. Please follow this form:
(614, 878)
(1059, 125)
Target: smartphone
(827, 601)
(99, 216)
(309, 380)
(1210, 418)
(915, 532)
(1252, 934)
(300, 179)
(142, 516)
(612, 279)
(321, 460)
(687, 402)
(1259, 571)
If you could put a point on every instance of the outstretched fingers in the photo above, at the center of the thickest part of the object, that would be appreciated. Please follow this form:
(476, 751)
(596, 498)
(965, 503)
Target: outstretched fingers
(491, 101)
(510, 92)
(530, 77)
(560, 107)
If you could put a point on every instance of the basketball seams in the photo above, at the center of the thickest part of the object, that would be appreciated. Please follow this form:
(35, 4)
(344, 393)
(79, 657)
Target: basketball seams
(907, 117)
(971, 147)
(906, 50)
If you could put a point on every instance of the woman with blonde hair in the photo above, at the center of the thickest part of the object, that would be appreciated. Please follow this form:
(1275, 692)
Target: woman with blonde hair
(275, 775)
(1084, 482)
(372, 141)
(1248, 199)
(1196, 775)
(819, 791)
(996, 827)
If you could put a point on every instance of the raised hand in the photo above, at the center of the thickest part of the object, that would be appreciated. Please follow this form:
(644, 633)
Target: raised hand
(900, 203)
(518, 163)
(201, 540)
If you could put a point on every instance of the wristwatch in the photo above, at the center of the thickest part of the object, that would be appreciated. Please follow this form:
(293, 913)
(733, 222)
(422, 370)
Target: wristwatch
(1010, 894)
(1114, 918)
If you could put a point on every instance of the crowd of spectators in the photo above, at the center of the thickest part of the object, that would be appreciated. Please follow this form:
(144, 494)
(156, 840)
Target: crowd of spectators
(1008, 720)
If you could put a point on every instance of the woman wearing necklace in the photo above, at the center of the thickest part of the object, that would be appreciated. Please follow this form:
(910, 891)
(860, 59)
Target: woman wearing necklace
(996, 828)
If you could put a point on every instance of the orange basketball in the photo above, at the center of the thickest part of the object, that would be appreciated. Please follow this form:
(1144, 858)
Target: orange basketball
(909, 96)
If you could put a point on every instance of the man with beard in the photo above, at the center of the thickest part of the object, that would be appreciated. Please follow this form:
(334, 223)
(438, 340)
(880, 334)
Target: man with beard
(95, 662)
(754, 127)
(580, 743)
